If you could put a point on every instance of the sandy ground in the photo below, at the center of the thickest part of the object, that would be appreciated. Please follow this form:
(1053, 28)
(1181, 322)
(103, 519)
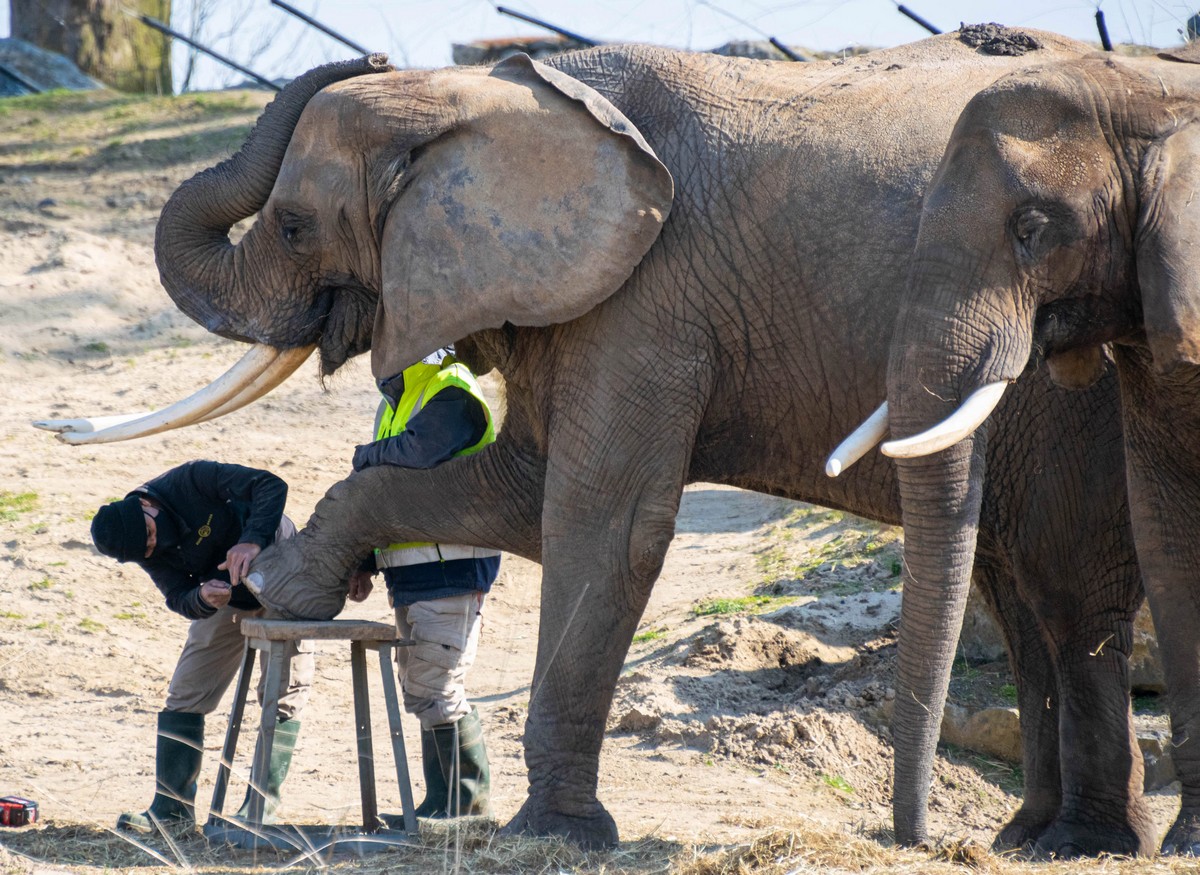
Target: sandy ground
(723, 724)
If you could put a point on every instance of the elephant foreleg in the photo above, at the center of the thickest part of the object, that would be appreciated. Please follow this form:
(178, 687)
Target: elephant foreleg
(1103, 810)
(1084, 605)
(1037, 702)
(490, 499)
(609, 518)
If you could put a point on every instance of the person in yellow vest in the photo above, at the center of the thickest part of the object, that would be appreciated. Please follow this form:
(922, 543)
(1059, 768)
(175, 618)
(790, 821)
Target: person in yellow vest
(432, 412)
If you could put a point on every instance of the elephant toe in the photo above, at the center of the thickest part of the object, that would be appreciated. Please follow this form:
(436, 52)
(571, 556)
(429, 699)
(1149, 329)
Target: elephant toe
(1183, 839)
(1064, 840)
(595, 830)
(1019, 836)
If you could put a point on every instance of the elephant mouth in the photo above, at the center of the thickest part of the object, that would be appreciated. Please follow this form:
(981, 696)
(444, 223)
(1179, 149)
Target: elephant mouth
(346, 314)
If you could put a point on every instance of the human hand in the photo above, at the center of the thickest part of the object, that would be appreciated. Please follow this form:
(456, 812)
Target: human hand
(362, 457)
(360, 586)
(237, 561)
(215, 593)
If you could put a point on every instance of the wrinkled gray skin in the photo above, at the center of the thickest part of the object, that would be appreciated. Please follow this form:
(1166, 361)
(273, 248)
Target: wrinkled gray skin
(517, 211)
(1065, 216)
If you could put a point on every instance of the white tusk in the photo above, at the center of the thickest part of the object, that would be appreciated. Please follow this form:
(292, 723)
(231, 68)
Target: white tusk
(968, 417)
(274, 374)
(95, 423)
(261, 369)
(859, 442)
(264, 383)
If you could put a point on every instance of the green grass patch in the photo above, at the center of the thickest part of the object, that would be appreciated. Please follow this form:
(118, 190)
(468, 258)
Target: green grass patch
(87, 624)
(649, 635)
(1008, 692)
(837, 782)
(44, 583)
(129, 615)
(11, 615)
(13, 504)
(746, 604)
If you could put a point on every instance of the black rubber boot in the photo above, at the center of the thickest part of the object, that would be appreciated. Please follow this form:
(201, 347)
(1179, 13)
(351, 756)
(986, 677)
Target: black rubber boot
(178, 754)
(463, 763)
(286, 733)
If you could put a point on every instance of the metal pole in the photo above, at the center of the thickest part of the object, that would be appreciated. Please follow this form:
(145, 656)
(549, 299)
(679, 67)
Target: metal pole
(794, 56)
(1100, 26)
(904, 10)
(313, 22)
(558, 30)
(158, 25)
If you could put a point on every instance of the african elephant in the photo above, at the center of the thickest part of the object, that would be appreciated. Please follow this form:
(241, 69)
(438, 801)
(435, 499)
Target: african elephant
(686, 268)
(1064, 220)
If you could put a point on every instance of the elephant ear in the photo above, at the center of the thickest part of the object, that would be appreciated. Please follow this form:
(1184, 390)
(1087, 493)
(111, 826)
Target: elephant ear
(1168, 249)
(532, 208)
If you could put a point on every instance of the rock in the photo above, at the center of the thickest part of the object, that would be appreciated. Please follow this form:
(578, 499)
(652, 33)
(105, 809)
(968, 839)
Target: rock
(992, 731)
(636, 720)
(981, 639)
(1156, 752)
(1145, 667)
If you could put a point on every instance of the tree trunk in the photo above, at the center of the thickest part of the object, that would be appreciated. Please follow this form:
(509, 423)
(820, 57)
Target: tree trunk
(102, 40)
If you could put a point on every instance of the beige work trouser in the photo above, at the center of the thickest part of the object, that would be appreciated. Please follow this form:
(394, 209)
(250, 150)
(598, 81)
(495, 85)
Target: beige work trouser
(433, 670)
(212, 655)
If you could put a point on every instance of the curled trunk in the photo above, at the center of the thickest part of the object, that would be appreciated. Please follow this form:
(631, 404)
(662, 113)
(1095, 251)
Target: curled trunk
(197, 262)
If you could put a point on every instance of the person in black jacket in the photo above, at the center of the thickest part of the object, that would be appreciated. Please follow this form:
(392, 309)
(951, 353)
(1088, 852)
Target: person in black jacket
(195, 530)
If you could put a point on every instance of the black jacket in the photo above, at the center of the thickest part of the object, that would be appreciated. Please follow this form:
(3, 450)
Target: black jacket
(215, 506)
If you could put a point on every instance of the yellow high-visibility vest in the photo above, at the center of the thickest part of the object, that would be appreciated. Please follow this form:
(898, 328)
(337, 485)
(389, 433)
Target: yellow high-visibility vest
(421, 382)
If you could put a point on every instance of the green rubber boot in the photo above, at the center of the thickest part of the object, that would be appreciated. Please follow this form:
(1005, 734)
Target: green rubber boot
(178, 754)
(436, 791)
(463, 763)
(286, 733)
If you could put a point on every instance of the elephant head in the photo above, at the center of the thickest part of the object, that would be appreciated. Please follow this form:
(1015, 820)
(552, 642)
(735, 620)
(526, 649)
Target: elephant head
(1063, 223)
(400, 212)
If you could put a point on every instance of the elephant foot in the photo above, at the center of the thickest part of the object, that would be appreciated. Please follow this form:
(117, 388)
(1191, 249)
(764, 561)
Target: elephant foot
(1068, 838)
(1183, 838)
(595, 830)
(1021, 833)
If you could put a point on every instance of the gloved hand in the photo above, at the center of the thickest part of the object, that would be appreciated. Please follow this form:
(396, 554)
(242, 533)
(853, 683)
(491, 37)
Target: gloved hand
(365, 456)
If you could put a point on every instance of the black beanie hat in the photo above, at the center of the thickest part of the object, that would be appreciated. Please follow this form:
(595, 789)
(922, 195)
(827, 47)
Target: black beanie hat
(119, 530)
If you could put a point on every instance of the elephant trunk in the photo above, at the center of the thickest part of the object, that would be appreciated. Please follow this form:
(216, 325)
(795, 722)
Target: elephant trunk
(945, 349)
(198, 264)
(941, 498)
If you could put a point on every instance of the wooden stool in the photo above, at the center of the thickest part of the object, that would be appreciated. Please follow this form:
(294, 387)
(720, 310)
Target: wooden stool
(273, 636)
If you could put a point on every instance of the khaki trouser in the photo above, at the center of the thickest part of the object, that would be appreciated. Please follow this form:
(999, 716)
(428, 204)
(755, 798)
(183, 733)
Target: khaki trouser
(212, 655)
(433, 670)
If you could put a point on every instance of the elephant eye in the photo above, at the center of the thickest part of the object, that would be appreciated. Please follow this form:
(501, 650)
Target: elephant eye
(293, 227)
(1026, 226)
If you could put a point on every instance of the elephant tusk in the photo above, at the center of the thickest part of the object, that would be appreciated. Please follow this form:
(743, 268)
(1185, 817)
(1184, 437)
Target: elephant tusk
(859, 442)
(95, 423)
(968, 417)
(265, 382)
(259, 371)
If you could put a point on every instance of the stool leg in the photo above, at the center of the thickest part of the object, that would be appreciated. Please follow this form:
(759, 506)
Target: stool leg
(387, 668)
(362, 720)
(231, 735)
(266, 730)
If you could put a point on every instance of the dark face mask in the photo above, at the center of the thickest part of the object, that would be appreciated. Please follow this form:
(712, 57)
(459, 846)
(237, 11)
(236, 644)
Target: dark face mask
(168, 531)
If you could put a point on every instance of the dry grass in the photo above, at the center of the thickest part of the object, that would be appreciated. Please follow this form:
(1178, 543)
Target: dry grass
(474, 848)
